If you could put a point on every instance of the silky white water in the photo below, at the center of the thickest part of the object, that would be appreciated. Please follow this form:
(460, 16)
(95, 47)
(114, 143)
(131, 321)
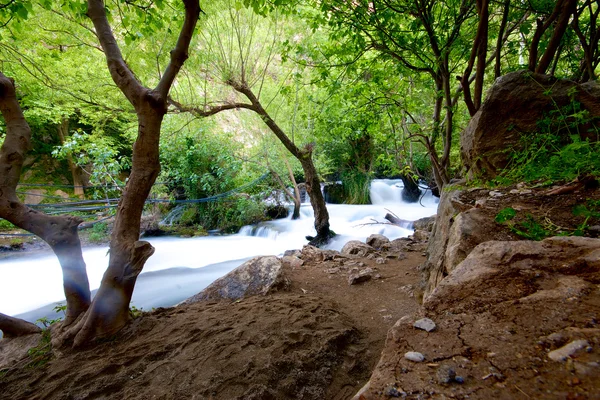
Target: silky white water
(31, 285)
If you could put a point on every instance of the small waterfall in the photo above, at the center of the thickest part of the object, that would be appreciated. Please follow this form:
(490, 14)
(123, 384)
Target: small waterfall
(173, 216)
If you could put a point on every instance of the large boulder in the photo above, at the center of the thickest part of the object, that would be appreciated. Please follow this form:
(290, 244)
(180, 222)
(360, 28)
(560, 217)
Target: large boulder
(498, 271)
(513, 107)
(257, 276)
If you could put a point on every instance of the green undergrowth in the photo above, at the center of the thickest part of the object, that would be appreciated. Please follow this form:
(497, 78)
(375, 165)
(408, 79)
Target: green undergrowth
(529, 227)
(565, 146)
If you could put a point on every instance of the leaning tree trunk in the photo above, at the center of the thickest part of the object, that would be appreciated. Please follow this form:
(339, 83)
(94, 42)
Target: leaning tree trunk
(60, 232)
(13, 327)
(313, 184)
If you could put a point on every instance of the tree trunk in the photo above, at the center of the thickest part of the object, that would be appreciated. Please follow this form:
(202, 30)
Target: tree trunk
(109, 311)
(60, 232)
(411, 191)
(63, 133)
(313, 185)
(13, 327)
(313, 188)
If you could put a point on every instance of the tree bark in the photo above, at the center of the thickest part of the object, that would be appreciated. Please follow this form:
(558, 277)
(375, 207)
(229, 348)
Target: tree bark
(13, 327)
(567, 8)
(297, 203)
(63, 133)
(109, 311)
(60, 232)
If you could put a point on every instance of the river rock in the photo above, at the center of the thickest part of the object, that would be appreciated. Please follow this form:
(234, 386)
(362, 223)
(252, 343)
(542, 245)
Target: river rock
(257, 276)
(357, 248)
(512, 108)
(568, 350)
(425, 324)
(414, 356)
(311, 253)
(377, 241)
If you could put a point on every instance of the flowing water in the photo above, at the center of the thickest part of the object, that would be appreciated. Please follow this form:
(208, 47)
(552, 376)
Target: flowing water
(31, 285)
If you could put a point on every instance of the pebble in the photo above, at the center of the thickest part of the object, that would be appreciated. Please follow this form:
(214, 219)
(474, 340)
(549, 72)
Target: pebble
(562, 354)
(445, 374)
(459, 379)
(380, 260)
(425, 324)
(414, 356)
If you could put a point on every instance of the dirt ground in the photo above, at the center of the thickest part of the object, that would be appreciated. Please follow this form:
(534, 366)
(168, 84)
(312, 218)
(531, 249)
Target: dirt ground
(320, 340)
(323, 338)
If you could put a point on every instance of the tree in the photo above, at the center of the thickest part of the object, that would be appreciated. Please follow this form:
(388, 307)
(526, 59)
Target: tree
(243, 63)
(109, 311)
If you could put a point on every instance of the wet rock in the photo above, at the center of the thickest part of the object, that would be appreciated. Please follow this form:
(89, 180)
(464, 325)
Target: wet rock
(360, 277)
(377, 241)
(425, 324)
(257, 276)
(445, 374)
(357, 248)
(414, 356)
(568, 350)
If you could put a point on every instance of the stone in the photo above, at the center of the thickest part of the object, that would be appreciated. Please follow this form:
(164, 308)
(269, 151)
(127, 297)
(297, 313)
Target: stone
(62, 194)
(292, 261)
(445, 374)
(380, 260)
(377, 241)
(357, 248)
(34, 196)
(312, 253)
(568, 350)
(295, 253)
(425, 324)
(560, 255)
(257, 276)
(414, 356)
(360, 277)
(420, 236)
(512, 108)
(424, 224)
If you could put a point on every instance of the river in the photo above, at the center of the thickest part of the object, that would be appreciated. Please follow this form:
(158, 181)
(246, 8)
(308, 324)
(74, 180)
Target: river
(31, 285)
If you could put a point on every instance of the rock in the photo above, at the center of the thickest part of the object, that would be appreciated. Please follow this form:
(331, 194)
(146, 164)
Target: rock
(257, 276)
(424, 224)
(445, 374)
(34, 196)
(62, 194)
(380, 260)
(568, 350)
(334, 193)
(393, 391)
(357, 248)
(311, 253)
(414, 356)
(420, 236)
(397, 245)
(360, 277)
(377, 241)
(468, 230)
(296, 253)
(563, 256)
(512, 108)
(425, 324)
(292, 261)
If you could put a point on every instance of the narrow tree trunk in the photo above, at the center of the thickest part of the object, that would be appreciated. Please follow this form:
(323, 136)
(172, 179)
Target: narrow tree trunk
(411, 191)
(60, 232)
(13, 327)
(63, 133)
(313, 188)
(566, 8)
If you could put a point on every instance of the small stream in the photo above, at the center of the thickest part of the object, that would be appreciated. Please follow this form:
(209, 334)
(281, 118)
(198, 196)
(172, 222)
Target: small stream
(31, 285)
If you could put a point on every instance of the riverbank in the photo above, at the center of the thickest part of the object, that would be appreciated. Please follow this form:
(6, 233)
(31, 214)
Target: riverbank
(320, 339)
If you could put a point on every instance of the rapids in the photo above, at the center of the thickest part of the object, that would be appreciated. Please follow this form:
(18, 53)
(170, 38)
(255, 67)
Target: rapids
(31, 285)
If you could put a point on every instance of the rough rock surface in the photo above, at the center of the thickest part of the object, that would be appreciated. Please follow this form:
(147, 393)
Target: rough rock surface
(260, 275)
(513, 106)
(377, 241)
(357, 248)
